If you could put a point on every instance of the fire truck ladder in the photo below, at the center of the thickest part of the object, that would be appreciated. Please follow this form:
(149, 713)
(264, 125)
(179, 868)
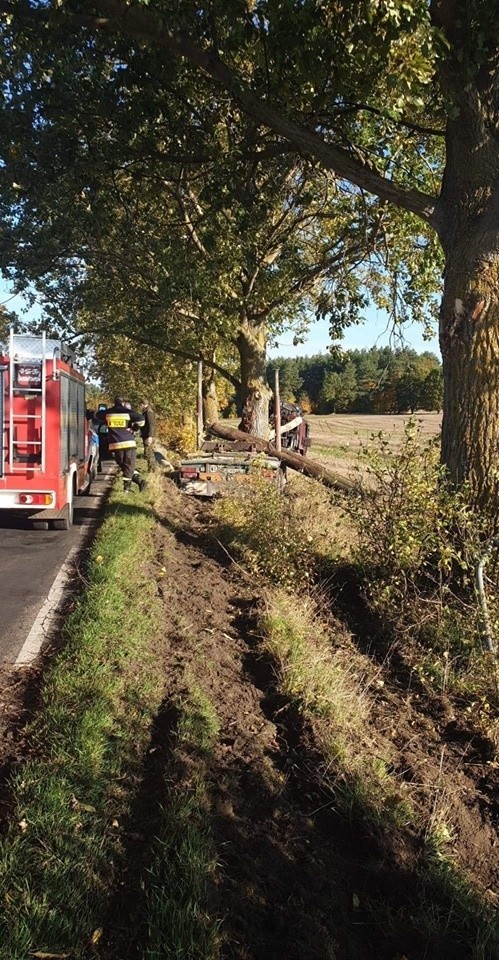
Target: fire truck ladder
(30, 351)
(3, 371)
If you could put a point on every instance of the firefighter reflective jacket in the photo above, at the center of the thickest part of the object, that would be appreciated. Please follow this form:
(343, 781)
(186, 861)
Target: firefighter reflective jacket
(120, 424)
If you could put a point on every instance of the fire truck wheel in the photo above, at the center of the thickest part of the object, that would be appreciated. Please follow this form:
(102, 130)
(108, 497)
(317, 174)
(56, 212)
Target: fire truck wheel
(40, 524)
(65, 522)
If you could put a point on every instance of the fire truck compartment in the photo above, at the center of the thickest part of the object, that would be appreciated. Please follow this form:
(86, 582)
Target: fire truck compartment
(46, 454)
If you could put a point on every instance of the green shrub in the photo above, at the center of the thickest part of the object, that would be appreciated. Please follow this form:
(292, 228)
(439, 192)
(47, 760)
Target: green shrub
(419, 542)
(260, 525)
(413, 528)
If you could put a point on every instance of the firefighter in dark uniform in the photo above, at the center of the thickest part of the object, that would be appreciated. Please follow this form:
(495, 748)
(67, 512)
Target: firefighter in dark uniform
(100, 427)
(121, 423)
(148, 433)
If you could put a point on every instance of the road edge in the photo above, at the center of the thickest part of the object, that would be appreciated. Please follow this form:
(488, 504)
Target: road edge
(50, 611)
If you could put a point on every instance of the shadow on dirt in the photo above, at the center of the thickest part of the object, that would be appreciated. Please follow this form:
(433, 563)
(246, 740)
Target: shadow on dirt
(125, 922)
(369, 632)
(298, 878)
(359, 886)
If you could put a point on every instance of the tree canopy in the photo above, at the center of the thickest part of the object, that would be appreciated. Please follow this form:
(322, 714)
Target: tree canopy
(150, 207)
(378, 380)
(370, 92)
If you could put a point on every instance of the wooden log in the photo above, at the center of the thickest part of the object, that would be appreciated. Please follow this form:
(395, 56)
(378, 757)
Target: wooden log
(290, 459)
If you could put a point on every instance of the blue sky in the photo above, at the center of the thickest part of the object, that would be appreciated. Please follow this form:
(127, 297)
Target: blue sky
(374, 332)
(13, 302)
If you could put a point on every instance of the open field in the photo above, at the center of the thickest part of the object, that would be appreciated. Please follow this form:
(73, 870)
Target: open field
(338, 429)
(337, 438)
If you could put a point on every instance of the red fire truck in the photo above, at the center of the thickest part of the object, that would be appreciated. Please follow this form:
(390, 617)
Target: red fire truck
(44, 458)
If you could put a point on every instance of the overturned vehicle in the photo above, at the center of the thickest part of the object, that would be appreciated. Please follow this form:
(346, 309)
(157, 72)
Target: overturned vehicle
(224, 463)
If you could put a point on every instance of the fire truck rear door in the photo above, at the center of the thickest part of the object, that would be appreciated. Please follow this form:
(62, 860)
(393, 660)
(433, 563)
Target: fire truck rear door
(3, 371)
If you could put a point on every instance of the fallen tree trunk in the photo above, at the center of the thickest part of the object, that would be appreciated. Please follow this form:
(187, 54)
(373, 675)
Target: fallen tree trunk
(293, 460)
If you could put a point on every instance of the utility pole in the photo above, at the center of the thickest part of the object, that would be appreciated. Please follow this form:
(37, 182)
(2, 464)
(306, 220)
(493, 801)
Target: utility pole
(200, 424)
(277, 411)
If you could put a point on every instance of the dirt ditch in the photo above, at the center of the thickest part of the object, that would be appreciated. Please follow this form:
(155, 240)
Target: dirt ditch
(295, 879)
(450, 763)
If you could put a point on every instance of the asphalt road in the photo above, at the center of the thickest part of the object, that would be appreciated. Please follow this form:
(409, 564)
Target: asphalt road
(29, 563)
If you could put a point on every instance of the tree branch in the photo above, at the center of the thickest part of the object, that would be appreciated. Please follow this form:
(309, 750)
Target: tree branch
(415, 127)
(166, 348)
(141, 24)
(196, 239)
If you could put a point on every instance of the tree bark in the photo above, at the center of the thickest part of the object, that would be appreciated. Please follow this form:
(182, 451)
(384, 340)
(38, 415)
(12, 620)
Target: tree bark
(469, 340)
(293, 460)
(211, 409)
(469, 318)
(256, 394)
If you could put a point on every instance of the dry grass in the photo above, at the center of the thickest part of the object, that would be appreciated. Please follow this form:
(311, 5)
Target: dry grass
(338, 438)
(321, 673)
(337, 429)
(322, 518)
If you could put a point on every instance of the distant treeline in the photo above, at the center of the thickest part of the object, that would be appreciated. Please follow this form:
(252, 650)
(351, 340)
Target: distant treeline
(379, 380)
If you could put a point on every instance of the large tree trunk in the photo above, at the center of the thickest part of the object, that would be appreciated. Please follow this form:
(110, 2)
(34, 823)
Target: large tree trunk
(256, 394)
(210, 399)
(469, 321)
(469, 339)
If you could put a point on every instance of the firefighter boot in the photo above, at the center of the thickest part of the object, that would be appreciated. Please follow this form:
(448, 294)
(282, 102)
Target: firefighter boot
(142, 484)
(127, 486)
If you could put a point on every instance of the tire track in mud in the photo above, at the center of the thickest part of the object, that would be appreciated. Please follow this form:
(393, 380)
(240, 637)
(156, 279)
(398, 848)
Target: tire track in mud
(445, 758)
(270, 889)
(296, 880)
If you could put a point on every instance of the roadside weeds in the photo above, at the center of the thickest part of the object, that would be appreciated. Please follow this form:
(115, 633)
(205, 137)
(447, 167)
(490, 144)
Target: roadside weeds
(222, 779)
(69, 798)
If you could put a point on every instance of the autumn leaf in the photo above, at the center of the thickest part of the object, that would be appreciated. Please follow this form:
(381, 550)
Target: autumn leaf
(50, 956)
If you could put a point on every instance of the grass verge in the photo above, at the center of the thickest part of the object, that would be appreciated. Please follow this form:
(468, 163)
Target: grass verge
(176, 885)
(63, 848)
(318, 675)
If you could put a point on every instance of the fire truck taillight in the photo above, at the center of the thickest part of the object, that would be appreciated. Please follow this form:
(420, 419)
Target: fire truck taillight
(37, 499)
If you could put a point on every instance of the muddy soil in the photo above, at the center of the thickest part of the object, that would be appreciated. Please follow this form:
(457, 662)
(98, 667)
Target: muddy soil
(296, 879)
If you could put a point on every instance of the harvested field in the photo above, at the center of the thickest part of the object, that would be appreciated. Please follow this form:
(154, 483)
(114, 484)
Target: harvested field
(337, 438)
